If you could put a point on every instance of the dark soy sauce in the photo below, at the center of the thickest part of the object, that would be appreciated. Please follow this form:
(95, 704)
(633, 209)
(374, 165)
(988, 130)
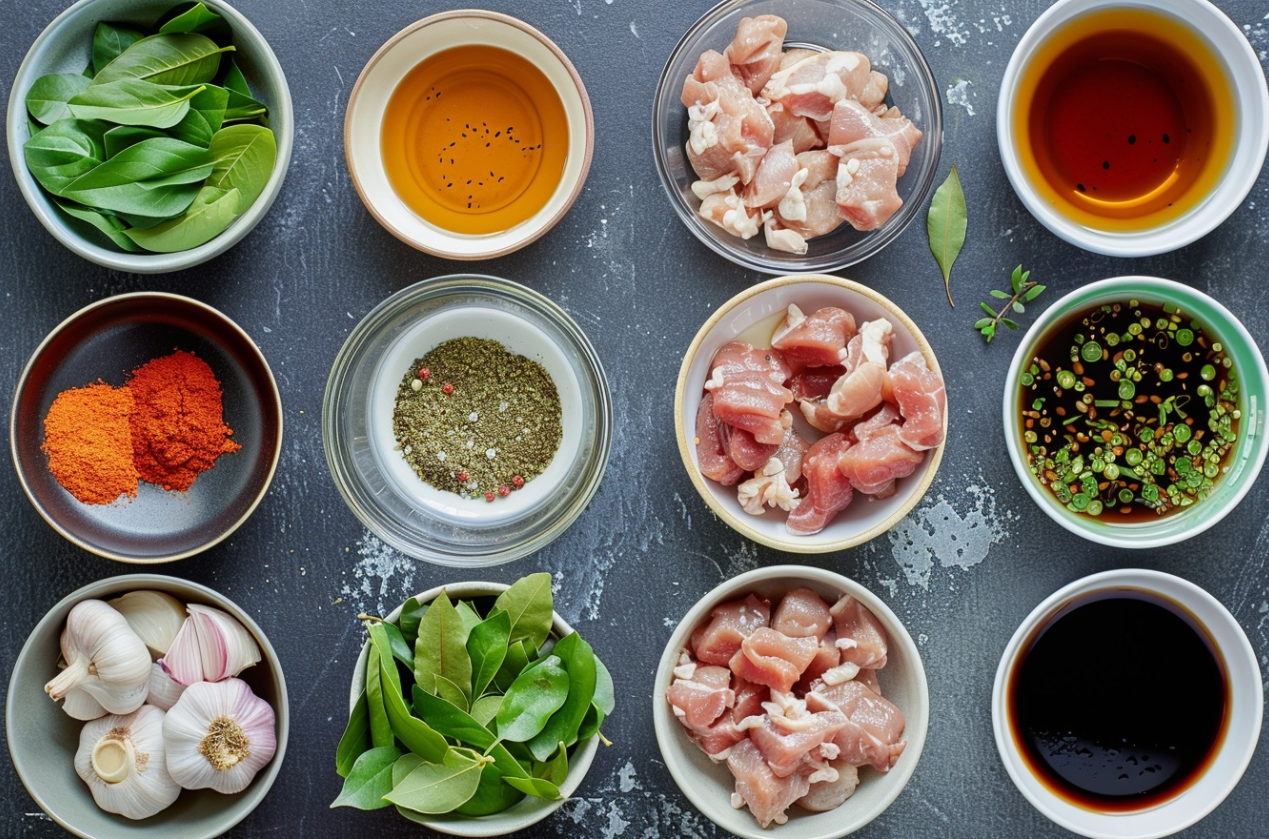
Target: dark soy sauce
(1119, 701)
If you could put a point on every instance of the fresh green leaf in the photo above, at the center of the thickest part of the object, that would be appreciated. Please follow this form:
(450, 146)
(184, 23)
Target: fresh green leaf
(155, 178)
(990, 332)
(945, 225)
(134, 102)
(205, 117)
(555, 769)
(417, 735)
(458, 724)
(243, 108)
(605, 694)
(533, 697)
(376, 709)
(109, 42)
(400, 650)
(47, 98)
(411, 613)
(487, 648)
(519, 654)
(1019, 308)
(1033, 292)
(530, 604)
(451, 693)
(235, 81)
(197, 18)
(441, 646)
(370, 780)
(212, 211)
(178, 59)
(999, 295)
(593, 722)
(492, 795)
(485, 709)
(579, 662)
(988, 309)
(982, 322)
(121, 136)
(109, 226)
(536, 787)
(468, 614)
(439, 787)
(356, 736)
(243, 158)
(1009, 323)
(65, 151)
(1015, 281)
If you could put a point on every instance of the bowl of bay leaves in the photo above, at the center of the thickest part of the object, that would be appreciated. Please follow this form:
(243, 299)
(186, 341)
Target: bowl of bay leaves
(475, 709)
(149, 136)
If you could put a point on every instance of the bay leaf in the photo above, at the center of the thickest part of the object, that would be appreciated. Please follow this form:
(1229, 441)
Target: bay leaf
(356, 736)
(211, 212)
(417, 735)
(533, 697)
(579, 662)
(439, 787)
(492, 795)
(484, 709)
(530, 604)
(945, 226)
(197, 18)
(376, 709)
(441, 648)
(134, 102)
(157, 178)
(173, 59)
(487, 648)
(243, 157)
(370, 780)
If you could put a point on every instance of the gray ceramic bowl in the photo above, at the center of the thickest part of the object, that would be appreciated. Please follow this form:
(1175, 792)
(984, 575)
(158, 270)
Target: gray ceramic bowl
(65, 47)
(107, 340)
(709, 785)
(43, 739)
(529, 811)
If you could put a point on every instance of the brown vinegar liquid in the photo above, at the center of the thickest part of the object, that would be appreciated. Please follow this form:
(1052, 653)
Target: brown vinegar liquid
(474, 139)
(1125, 119)
(1118, 702)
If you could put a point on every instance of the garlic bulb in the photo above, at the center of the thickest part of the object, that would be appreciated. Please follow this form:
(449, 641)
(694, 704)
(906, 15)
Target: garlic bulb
(124, 763)
(164, 690)
(211, 646)
(80, 705)
(154, 616)
(218, 735)
(104, 657)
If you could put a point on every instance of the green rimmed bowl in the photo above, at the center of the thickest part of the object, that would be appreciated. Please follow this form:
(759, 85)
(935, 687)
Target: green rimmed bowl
(1243, 463)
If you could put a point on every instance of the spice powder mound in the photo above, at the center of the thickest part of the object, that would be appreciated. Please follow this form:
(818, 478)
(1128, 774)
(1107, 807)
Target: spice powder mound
(473, 418)
(88, 440)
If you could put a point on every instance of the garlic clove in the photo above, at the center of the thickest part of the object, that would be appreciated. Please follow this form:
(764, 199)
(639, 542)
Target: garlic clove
(154, 616)
(163, 689)
(104, 657)
(80, 705)
(218, 735)
(211, 645)
(124, 762)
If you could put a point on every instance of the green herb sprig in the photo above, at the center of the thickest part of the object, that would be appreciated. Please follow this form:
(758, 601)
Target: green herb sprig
(469, 714)
(158, 146)
(1024, 291)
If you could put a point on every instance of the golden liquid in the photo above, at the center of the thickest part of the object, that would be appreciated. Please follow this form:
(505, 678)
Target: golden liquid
(474, 139)
(1124, 120)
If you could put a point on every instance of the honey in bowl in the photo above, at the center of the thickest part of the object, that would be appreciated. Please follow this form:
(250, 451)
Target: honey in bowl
(1125, 120)
(1119, 701)
(475, 139)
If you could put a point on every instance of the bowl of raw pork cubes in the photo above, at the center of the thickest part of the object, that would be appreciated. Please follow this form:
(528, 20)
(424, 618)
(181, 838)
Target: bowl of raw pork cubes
(791, 702)
(810, 413)
(797, 135)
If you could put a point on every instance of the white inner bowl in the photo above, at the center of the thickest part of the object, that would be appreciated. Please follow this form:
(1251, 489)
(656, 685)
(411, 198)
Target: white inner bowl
(405, 51)
(1237, 741)
(1241, 67)
(753, 316)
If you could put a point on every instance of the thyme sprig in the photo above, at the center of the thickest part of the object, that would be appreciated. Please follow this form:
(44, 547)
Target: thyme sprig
(1024, 291)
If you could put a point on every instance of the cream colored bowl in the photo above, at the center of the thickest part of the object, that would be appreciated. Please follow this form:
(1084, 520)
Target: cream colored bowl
(401, 54)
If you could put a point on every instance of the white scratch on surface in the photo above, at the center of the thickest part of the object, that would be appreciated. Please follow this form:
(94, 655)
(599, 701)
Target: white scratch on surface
(936, 532)
(393, 571)
(634, 30)
(943, 21)
(958, 94)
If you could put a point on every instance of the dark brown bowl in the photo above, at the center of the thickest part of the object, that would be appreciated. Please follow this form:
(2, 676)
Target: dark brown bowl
(106, 341)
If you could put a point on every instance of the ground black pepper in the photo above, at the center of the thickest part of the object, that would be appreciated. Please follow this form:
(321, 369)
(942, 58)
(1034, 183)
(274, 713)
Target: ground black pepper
(501, 419)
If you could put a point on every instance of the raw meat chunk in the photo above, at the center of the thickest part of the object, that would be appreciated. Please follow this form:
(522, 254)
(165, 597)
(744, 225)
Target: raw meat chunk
(699, 701)
(922, 401)
(773, 177)
(876, 422)
(799, 131)
(818, 213)
(770, 658)
(729, 131)
(792, 449)
(757, 787)
(728, 211)
(730, 623)
(851, 122)
(802, 614)
(858, 392)
(756, 51)
(749, 699)
(812, 86)
(827, 656)
(873, 464)
(785, 748)
(874, 733)
(747, 452)
(749, 391)
(828, 491)
(867, 178)
(817, 340)
(829, 795)
(860, 636)
(711, 453)
(815, 383)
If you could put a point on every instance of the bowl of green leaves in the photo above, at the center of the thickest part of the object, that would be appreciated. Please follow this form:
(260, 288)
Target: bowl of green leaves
(147, 136)
(475, 709)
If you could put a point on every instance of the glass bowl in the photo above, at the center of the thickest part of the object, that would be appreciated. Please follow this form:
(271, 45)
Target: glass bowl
(1242, 464)
(380, 487)
(858, 25)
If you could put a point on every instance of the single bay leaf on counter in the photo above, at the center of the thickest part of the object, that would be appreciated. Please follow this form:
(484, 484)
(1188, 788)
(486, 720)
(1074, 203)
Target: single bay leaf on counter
(946, 225)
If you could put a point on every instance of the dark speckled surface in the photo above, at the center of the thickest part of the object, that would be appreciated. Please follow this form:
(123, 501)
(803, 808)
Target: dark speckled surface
(961, 571)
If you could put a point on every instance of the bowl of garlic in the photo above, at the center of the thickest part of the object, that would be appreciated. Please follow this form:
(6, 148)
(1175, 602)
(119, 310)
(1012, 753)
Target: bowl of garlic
(145, 703)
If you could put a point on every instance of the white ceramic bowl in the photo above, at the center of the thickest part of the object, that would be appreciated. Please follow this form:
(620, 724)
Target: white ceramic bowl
(709, 785)
(43, 739)
(1237, 741)
(751, 316)
(1243, 463)
(1251, 131)
(401, 54)
(65, 46)
(530, 810)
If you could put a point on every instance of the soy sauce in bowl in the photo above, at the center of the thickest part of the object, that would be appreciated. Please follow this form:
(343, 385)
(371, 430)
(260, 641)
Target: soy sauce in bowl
(1119, 701)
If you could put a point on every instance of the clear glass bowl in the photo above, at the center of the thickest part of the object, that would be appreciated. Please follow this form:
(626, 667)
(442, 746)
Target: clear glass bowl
(858, 25)
(374, 479)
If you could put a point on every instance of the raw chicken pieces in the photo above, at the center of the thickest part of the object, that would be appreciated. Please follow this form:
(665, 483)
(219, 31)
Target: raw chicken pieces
(755, 113)
(788, 736)
(878, 418)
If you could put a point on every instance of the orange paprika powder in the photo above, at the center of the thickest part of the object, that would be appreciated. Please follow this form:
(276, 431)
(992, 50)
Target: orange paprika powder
(88, 440)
